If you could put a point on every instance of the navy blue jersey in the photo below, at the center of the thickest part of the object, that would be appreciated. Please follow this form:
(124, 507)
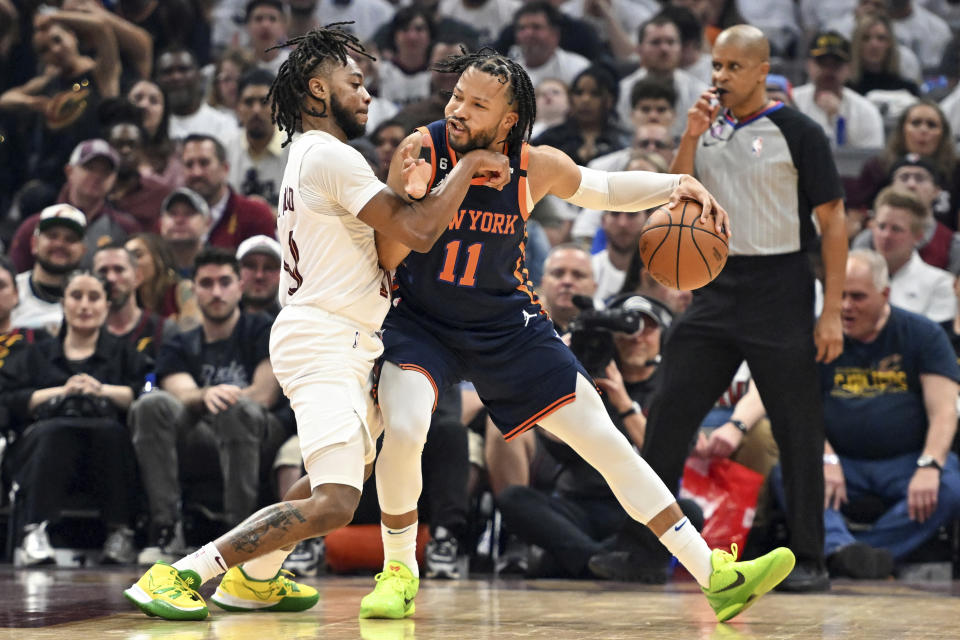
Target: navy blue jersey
(475, 275)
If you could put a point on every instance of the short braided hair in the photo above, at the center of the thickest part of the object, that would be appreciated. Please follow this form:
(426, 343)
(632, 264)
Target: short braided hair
(290, 88)
(520, 95)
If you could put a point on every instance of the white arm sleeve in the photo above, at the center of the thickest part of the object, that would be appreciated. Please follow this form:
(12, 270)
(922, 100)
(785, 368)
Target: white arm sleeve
(623, 190)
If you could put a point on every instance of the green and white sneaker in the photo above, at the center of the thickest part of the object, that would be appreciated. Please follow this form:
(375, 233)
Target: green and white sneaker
(167, 593)
(734, 586)
(393, 595)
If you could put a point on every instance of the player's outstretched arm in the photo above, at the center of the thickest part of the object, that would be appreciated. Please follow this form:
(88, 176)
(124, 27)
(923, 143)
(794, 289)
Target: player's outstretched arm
(418, 223)
(553, 172)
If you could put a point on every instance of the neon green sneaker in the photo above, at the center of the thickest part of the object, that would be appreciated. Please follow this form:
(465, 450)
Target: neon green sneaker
(734, 586)
(393, 595)
(165, 592)
(239, 592)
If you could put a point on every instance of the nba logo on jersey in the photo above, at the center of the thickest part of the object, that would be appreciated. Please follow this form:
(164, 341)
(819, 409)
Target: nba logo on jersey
(756, 147)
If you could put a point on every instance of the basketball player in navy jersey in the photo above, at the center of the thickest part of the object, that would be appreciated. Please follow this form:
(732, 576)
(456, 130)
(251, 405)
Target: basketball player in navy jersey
(464, 310)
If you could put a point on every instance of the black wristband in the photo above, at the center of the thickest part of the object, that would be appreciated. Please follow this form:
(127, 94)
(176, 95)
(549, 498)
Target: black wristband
(739, 424)
(634, 408)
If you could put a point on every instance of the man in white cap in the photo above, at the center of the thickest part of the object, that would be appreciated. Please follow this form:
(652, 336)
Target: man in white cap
(259, 258)
(57, 248)
(91, 175)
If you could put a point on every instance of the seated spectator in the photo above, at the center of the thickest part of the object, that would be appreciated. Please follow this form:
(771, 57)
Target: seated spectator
(576, 36)
(926, 33)
(184, 88)
(161, 289)
(74, 392)
(9, 298)
(694, 59)
(846, 21)
(405, 76)
(537, 26)
(938, 246)
(386, 138)
(914, 285)
(431, 108)
(216, 386)
(922, 130)
(487, 17)
(648, 138)
(144, 330)
(622, 230)
(224, 91)
(256, 156)
(66, 95)
(591, 128)
(91, 174)
(653, 101)
(234, 217)
(659, 49)
(553, 105)
(890, 413)
(848, 119)
(137, 191)
(184, 223)
(615, 22)
(780, 88)
(260, 259)
(266, 24)
(57, 247)
(160, 159)
(875, 58)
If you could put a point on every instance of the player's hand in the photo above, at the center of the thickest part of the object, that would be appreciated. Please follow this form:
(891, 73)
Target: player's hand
(922, 493)
(492, 167)
(613, 386)
(691, 189)
(702, 114)
(828, 336)
(416, 171)
(724, 441)
(220, 397)
(834, 486)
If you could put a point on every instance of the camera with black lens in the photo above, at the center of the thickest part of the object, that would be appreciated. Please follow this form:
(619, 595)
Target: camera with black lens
(591, 333)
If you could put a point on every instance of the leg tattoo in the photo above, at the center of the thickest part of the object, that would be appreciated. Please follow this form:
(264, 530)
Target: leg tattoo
(249, 535)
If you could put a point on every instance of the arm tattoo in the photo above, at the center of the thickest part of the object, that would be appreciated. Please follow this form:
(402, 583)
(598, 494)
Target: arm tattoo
(248, 537)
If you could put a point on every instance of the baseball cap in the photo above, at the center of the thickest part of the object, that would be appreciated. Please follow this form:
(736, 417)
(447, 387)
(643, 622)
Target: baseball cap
(780, 83)
(830, 43)
(94, 148)
(191, 197)
(64, 215)
(916, 160)
(259, 244)
(650, 308)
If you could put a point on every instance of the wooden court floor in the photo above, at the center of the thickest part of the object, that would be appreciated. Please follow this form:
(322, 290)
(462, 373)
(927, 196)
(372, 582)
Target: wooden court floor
(87, 604)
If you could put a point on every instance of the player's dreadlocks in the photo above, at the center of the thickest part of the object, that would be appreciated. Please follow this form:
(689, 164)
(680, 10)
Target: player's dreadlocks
(520, 94)
(290, 89)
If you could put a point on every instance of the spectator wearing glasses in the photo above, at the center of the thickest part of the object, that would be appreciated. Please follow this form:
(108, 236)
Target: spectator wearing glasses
(648, 138)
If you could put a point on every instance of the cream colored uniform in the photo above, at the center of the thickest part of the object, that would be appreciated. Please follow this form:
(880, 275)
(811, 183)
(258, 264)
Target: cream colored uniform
(334, 296)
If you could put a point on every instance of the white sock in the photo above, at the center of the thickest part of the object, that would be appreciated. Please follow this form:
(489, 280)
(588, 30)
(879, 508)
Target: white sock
(267, 566)
(205, 561)
(684, 541)
(400, 545)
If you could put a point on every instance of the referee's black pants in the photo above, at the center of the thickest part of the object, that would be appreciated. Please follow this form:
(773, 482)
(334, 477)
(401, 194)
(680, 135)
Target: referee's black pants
(759, 309)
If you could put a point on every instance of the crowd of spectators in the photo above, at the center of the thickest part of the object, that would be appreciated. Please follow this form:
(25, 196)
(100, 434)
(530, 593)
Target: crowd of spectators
(140, 262)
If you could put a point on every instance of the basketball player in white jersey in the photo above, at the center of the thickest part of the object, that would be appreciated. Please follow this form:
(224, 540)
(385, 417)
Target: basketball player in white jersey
(325, 339)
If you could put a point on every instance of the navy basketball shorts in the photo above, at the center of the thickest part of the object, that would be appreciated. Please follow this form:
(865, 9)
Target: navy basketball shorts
(522, 373)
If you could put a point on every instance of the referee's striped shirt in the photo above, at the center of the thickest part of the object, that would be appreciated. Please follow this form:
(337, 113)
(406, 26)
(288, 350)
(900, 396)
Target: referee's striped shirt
(768, 171)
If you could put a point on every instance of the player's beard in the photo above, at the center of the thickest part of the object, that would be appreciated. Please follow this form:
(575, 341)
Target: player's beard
(347, 120)
(475, 140)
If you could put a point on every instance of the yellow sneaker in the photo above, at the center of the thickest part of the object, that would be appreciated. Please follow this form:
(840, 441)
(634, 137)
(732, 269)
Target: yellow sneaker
(393, 595)
(734, 586)
(239, 592)
(165, 592)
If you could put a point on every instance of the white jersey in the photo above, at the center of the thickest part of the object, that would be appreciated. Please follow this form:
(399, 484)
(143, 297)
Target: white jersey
(329, 256)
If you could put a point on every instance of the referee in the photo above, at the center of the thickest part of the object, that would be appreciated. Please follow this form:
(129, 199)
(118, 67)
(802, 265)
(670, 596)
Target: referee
(770, 167)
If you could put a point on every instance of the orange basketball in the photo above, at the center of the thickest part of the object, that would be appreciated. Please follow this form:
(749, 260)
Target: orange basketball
(679, 251)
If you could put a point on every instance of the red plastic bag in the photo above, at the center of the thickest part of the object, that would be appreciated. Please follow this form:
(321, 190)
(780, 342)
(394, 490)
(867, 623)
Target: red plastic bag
(727, 493)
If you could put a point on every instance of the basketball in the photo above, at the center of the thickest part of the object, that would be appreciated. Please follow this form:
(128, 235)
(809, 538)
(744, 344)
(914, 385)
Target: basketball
(678, 250)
